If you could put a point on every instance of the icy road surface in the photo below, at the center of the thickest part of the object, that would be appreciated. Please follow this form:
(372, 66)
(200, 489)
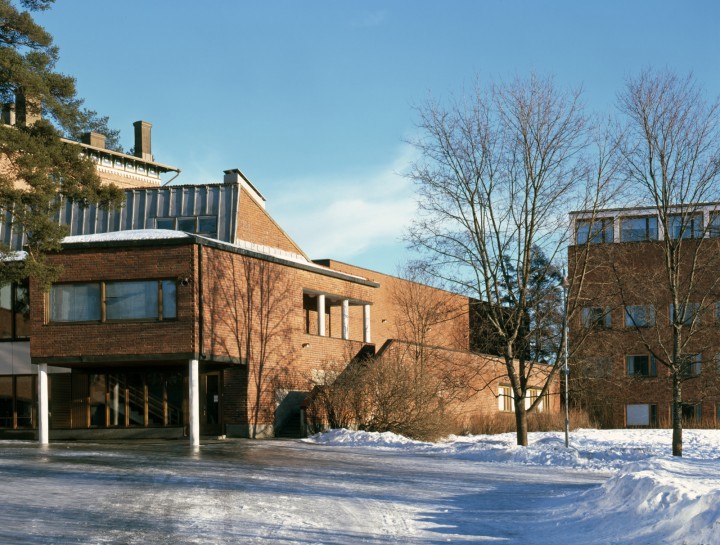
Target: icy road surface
(271, 492)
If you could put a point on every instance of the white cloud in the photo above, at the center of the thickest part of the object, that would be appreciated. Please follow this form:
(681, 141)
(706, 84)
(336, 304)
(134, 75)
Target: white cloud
(342, 216)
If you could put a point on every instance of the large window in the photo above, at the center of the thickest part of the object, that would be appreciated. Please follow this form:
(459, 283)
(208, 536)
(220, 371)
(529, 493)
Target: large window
(685, 226)
(638, 229)
(596, 318)
(686, 313)
(14, 311)
(641, 415)
(595, 232)
(639, 316)
(505, 399)
(201, 225)
(690, 365)
(641, 366)
(108, 301)
(128, 400)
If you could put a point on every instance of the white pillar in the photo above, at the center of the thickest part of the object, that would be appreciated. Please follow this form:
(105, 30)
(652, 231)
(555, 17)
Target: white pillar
(43, 422)
(345, 319)
(321, 314)
(194, 400)
(366, 323)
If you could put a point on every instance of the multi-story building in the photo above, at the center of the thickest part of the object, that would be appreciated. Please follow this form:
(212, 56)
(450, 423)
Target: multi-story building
(622, 331)
(189, 310)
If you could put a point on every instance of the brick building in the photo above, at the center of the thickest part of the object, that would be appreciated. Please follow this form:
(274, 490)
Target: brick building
(623, 329)
(190, 311)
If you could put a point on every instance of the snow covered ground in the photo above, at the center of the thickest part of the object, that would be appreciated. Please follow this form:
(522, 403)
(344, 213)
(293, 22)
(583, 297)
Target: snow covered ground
(650, 496)
(611, 487)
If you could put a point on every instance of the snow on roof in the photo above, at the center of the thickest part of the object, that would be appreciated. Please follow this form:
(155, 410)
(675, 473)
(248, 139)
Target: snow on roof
(138, 234)
(13, 256)
(164, 234)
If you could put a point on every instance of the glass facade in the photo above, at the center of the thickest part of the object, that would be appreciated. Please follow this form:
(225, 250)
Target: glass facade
(128, 399)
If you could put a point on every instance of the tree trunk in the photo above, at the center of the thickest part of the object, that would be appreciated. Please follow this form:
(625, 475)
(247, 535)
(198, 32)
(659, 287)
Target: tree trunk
(677, 440)
(521, 423)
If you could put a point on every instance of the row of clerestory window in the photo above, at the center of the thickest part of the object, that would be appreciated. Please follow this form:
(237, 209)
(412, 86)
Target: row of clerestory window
(645, 228)
(641, 316)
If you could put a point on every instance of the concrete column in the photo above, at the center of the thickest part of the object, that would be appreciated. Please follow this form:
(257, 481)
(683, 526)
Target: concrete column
(345, 319)
(366, 324)
(194, 399)
(321, 314)
(43, 421)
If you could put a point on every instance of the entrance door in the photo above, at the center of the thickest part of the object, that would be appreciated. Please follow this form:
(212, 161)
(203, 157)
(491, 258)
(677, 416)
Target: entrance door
(210, 406)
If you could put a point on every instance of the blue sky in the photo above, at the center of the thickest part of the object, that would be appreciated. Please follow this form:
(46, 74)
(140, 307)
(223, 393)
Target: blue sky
(314, 100)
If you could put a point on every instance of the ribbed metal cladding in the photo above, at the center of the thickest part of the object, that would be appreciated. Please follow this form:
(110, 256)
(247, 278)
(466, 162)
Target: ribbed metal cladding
(141, 209)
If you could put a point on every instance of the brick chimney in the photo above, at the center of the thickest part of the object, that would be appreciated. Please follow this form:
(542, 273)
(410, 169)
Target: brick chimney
(27, 110)
(142, 140)
(94, 139)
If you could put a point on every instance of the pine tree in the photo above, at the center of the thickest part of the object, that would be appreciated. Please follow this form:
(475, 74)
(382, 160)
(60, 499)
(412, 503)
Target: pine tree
(35, 164)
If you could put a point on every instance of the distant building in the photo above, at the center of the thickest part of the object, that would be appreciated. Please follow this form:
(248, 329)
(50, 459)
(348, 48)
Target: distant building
(624, 324)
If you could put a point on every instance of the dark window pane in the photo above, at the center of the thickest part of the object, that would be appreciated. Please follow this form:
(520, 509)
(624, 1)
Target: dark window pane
(169, 288)
(22, 310)
(6, 402)
(131, 300)
(24, 400)
(136, 399)
(207, 225)
(165, 223)
(187, 224)
(156, 399)
(175, 395)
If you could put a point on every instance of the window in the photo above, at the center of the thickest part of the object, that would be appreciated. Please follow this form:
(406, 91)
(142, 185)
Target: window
(685, 226)
(686, 313)
(131, 300)
(17, 400)
(531, 395)
(595, 318)
(14, 311)
(639, 316)
(690, 365)
(595, 232)
(641, 415)
(691, 412)
(641, 366)
(505, 399)
(201, 225)
(714, 227)
(638, 229)
(127, 400)
(75, 302)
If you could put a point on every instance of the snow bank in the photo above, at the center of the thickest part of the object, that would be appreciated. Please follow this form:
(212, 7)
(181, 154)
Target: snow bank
(659, 501)
(649, 497)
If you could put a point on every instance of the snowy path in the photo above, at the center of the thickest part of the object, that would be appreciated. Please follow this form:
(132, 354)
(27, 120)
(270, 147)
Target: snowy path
(272, 492)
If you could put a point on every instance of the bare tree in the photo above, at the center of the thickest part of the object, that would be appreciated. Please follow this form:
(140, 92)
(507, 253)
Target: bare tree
(672, 161)
(498, 174)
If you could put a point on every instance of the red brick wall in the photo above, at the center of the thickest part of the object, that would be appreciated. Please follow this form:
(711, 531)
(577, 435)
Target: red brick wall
(255, 225)
(104, 339)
